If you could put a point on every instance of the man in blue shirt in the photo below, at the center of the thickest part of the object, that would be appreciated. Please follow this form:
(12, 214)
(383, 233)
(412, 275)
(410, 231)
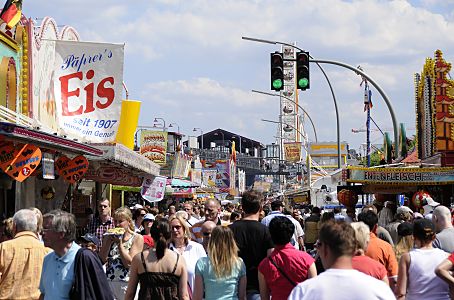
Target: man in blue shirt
(59, 233)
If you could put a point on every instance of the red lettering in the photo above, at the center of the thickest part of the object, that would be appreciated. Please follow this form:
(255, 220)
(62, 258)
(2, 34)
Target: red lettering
(89, 89)
(104, 92)
(65, 94)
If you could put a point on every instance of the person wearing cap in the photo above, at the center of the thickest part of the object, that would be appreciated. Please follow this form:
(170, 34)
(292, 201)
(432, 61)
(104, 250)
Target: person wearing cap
(147, 222)
(445, 236)
(91, 242)
(403, 214)
(417, 279)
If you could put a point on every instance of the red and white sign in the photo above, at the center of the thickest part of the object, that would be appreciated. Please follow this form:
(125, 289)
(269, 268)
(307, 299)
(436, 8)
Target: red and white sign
(87, 83)
(153, 188)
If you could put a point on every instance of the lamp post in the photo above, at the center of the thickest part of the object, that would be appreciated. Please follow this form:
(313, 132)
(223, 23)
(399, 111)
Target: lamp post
(201, 133)
(163, 121)
(178, 126)
(300, 107)
(327, 80)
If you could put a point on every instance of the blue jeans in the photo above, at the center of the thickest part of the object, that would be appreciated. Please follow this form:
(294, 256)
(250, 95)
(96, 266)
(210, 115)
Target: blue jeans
(253, 295)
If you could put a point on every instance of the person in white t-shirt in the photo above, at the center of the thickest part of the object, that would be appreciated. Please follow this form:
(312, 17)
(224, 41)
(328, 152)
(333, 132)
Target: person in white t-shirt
(340, 281)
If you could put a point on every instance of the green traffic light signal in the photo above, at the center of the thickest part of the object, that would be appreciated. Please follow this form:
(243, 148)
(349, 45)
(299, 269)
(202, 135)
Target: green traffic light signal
(277, 71)
(302, 70)
(303, 83)
(277, 84)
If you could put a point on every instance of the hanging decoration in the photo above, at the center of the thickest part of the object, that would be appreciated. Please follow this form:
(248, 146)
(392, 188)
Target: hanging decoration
(72, 170)
(19, 161)
(419, 198)
(48, 193)
(347, 197)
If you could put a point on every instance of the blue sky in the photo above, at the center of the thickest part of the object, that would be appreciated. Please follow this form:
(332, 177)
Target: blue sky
(186, 61)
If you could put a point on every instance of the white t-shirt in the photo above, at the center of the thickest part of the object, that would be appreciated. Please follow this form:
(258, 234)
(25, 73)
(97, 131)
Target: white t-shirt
(191, 254)
(342, 284)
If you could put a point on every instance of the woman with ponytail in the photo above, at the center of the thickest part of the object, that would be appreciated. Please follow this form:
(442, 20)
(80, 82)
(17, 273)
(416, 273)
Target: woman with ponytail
(161, 272)
(416, 278)
(221, 275)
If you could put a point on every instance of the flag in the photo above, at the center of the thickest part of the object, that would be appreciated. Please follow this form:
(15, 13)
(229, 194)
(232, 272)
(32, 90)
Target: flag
(367, 99)
(11, 12)
(233, 154)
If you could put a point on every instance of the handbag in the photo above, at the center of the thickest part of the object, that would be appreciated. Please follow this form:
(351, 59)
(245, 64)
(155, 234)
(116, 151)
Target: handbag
(282, 272)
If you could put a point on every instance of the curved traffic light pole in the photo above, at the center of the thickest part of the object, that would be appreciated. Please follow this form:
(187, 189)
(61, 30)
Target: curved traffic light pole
(327, 80)
(317, 61)
(379, 89)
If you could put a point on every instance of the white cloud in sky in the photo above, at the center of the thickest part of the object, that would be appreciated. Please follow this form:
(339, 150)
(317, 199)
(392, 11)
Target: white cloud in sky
(187, 62)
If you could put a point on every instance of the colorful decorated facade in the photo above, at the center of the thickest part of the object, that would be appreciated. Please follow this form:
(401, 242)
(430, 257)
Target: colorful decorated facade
(434, 108)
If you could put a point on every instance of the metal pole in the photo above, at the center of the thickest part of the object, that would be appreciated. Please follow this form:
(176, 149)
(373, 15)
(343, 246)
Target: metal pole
(379, 89)
(327, 80)
(299, 106)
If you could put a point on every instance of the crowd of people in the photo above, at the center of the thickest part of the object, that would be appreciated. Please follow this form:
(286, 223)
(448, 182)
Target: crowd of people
(253, 250)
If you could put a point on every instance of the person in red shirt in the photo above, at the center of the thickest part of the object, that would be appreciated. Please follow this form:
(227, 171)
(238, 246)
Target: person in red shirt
(360, 261)
(445, 270)
(286, 266)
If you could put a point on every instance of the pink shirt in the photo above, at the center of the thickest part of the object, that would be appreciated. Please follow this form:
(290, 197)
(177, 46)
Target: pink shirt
(293, 262)
(369, 266)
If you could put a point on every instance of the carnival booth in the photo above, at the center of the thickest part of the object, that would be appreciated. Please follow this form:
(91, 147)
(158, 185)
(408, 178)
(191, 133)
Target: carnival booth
(426, 177)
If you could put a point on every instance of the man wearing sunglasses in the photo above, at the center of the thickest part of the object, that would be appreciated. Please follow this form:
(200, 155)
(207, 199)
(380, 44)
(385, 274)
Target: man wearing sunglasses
(99, 225)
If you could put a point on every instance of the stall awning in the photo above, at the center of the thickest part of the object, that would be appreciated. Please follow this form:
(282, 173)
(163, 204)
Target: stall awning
(120, 165)
(118, 153)
(181, 183)
(14, 132)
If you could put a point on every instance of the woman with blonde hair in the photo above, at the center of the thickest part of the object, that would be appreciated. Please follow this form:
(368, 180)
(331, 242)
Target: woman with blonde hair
(182, 244)
(119, 249)
(221, 275)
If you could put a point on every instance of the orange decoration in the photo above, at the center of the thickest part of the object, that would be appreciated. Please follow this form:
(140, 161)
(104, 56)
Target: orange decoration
(19, 161)
(347, 198)
(72, 170)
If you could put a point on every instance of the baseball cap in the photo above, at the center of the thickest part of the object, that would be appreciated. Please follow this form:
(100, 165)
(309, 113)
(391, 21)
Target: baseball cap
(404, 209)
(432, 202)
(405, 229)
(91, 238)
(136, 206)
(149, 217)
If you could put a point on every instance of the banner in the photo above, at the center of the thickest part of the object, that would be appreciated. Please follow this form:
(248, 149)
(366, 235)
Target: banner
(292, 152)
(153, 145)
(209, 177)
(405, 176)
(87, 85)
(153, 189)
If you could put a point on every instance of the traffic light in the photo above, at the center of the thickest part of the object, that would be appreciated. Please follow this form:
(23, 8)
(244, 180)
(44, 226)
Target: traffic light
(302, 70)
(277, 71)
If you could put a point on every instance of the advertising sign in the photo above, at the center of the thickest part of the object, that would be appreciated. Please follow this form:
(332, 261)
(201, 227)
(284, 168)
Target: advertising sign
(406, 176)
(292, 151)
(153, 188)
(19, 161)
(87, 85)
(48, 163)
(153, 145)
